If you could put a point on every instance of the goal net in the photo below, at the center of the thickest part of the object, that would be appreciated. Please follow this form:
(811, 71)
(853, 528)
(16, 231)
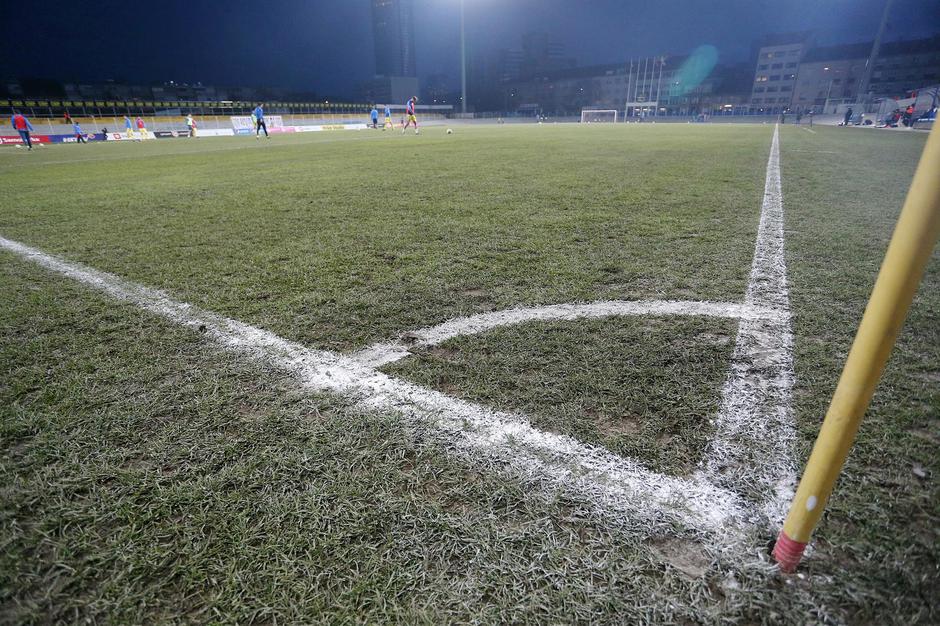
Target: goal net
(245, 123)
(598, 116)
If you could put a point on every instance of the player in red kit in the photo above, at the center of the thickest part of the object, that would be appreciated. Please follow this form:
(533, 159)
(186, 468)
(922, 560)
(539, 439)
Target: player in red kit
(23, 127)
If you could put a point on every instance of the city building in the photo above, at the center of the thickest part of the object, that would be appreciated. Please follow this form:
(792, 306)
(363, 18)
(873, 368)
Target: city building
(778, 63)
(387, 89)
(394, 36)
(640, 87)
(541, 52)
(396, 76)
(508, 65)
(831, 75)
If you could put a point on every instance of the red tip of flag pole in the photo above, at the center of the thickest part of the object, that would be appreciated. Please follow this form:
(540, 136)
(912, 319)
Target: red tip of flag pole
(788, 553)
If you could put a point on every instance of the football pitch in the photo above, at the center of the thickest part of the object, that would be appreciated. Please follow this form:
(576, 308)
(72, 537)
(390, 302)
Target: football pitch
(517, 374)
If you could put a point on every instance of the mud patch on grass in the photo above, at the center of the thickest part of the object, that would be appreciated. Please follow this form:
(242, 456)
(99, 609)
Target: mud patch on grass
(616, 426)
(688, 557)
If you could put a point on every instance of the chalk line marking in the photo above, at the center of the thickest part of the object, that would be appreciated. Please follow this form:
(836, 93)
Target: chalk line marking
(385, 353)
(809, 130)
(11, 164)
(610, 481)
(754, 419)
(753, 447)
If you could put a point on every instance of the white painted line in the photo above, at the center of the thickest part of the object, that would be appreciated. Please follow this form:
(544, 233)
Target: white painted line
(385, 353)
(614, 484)
(752, 450)
(809, 130)
(747, 469)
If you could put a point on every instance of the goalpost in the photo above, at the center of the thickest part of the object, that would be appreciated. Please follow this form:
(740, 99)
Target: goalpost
(598, 116)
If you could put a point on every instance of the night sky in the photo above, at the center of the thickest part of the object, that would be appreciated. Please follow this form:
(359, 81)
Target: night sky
(326, 46)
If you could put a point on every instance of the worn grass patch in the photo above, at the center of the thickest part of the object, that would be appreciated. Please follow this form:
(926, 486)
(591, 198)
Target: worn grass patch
(645, 388)
(147, 477)
(341, 243)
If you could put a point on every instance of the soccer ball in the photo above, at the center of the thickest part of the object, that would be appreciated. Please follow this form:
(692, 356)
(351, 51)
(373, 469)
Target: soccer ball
(450, 131)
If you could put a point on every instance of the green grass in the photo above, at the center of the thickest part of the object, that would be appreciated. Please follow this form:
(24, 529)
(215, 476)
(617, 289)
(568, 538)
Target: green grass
(149, 477)
(611, 382)
(345, 243)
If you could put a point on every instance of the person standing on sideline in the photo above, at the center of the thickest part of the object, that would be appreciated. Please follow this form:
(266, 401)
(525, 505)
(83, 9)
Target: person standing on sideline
(410, 112)
(141, 128)
(375, 117)
(848, 116)
(388, 117)
(259, 122)
(128, 127)
(79, 137)
(23, 127)
(191, 124)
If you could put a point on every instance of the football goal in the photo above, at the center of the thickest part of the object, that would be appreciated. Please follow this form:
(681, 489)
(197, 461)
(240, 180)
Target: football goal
(598, 116)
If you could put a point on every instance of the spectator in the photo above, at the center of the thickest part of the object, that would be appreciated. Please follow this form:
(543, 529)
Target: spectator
(909, 116)
(848, 117)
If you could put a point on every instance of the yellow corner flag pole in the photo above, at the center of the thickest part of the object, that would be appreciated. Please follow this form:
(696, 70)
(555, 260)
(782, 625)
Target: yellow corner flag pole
(915, 235)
